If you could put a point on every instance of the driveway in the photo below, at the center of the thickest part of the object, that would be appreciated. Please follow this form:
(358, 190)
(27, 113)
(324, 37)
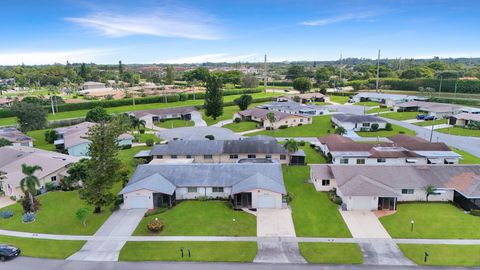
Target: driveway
(272, 225)
(6, 201)
(364, 224)
(120, 223)
(197, 119)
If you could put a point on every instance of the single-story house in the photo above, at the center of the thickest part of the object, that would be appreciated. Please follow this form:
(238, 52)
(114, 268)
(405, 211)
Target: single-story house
(6, 102)
(54, 167)
(16, 137)
(281, 118)
(373, 187)
(401, 150)
(218, 151)
(92, 85)
(152, 116)
(247, 185)
(463, 119)
(305, 98)
(295, 108)
(358, 122)
(439, 110)
(74, 139)
(388, 100)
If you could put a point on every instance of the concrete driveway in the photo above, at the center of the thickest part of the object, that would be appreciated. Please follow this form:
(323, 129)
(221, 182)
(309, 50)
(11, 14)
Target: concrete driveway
(364, 224)
(197, 119)
(275, 223)
(120, 223)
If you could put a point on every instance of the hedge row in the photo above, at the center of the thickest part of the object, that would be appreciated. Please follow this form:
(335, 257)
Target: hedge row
(463, 86)
(278, 83)
(467, 102)
(232, 103)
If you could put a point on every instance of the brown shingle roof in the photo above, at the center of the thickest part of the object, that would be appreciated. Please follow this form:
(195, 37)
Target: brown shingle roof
(417, 144)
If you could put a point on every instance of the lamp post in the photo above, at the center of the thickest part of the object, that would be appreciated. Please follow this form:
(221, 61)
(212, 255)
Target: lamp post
(411, 223)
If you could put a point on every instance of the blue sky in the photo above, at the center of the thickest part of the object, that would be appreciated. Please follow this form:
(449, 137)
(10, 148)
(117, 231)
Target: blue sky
(48, 31)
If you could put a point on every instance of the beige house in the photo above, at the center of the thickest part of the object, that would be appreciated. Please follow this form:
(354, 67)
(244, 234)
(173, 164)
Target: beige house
(306, 97)
(281, 118)
(463, 119)
(16, 137)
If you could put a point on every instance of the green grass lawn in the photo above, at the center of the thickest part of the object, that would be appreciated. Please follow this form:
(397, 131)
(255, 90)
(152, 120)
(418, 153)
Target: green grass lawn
(175, 123)
(56, 216)
(460, 131)
(319, 127)
(367, 103)
(322, 103)
(200, 251)
(43, 248)
(39, 140)
(401, 115)
(467, 157)
(432, 220)
(203, 218)
(386, 133)
(331, 253)
(313, 213)
(242, 126)
(431, 123)
(377, 110)
(443, 255)
(339, 99)
(313, 156)
(144, 137)
(228, 113)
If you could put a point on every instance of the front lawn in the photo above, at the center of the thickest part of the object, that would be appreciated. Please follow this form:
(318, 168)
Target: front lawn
(203, 218)
(314, 215)
(431, 123)
(228, 113)
(175, 123)
(460, 131)
(387, 133)
(367, 103)
(39, 140)
(467, 157)
(146, 136)
(320, 126)
(331, 253)
(242, 126)
(199, 251)
(43, 248)
(443, 255)
(432, 220)
(401, 115)
(339, 99)
(56, 216)
(379, 109)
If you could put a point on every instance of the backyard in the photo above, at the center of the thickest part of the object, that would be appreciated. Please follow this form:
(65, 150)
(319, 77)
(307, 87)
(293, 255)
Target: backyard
(331, 253)
(52, 249)
(432, 220)
(379, 109)
(199, 251)
(386, 133)
(241, 126)
(320, 126)
(313, 156)
(202, 218)
(38, 137)
(313, 213)
(443, 255)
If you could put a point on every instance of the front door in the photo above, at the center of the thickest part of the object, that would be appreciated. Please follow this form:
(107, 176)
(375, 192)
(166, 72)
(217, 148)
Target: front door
(386, 203)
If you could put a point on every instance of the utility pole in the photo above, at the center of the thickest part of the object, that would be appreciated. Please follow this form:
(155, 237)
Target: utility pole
(265, 74)
(341, 59)
(51, 102)
(440, 87)
(378, 72)
(456, 83)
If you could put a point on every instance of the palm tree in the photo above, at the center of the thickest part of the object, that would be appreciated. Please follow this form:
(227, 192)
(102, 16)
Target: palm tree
(429, 190)
(291, 146)
(137, 123)
(30, 182)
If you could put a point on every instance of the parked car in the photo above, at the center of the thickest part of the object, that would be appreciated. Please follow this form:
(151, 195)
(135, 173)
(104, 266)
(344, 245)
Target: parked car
(8, 252)
(421, 116)
(430, 118)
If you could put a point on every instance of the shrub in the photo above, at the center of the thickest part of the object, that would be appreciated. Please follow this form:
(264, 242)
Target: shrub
(155, 226)
(289, 197)
(332, 195)
(155, 212)
(142, 131)
(401, 132)
(116, 203)
(388, 126)
(50, 186)
(283, 127)
(6, 214)
(50, 136)
(237, 120)
(27, 207)
(301, 143)
(210, 137)
(374, 127)
(149, 142)
(475, 212)
(268, 128)
(126, 146)
(28, 217)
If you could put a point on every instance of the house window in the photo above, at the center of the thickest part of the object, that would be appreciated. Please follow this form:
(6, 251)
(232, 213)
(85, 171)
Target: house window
(407, 191)
(189, 156)
(361, 161)
(301, 120)
(268, 156)
(252, 156)
(381, 160)
(217, 189)
(173, 156)
(192, 190)
(207, 156)
(344, 161)
(365, 124)
(53, 178)
(325, 182)
(283, 157)
(233, 156)
(159, 156)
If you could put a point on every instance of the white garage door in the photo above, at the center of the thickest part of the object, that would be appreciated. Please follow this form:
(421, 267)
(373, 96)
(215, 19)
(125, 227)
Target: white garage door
(361, 203)
(138, 202)
(266, 201)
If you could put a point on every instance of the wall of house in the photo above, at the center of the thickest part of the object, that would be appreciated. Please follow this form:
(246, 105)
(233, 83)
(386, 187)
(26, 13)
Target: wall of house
(125, 142)
(225, 158)
(27, 143)
(256, 193)
(78, 150)
(389, 161)
(419, 195)
(143, 192)
(183, 194)
(292, 121)
(317, 182)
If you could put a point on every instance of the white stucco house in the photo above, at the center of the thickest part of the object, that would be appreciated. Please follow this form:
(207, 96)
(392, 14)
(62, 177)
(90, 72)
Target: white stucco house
(16, 137)
(358, 122)
(281, 118)
(153, 116)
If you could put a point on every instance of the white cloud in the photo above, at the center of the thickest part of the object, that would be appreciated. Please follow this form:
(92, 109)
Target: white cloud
(50, 57)
(214, 58)
(341, 18)
(175, 23)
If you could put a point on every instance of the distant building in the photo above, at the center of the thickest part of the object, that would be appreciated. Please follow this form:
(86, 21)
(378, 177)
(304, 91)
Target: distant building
(153, 116)
(463, 119)
(281, 119)
(358, 122)
(92, 85)
(388, 100)
(439, 110)
(305, 98)
(16, 137)
(295, 108)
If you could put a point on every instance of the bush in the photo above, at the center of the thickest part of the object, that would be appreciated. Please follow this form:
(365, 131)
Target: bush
(301, 143)
(116, 203)
(50, 186)
(475, 212)
(283, 127)
(268, 128)
(289, 197)
(27, 207)
(155, 226)
(142, 131)
(374, 127)
(388, 126)
(6, 214)
(237, 120)
(50, 136)
(302, 84)
(210, 137)
(332, 195)
(149, 142)
(155, 212)
(126, 146)
(28, 217)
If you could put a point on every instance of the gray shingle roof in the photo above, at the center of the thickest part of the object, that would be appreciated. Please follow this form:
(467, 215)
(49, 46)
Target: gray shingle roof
(218, 174)
(258, 180)
(13, 135)
(154, 182)
(165, 111)
(350, 118)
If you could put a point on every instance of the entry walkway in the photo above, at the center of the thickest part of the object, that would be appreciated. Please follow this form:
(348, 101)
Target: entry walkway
(120, 223)
(197, 119)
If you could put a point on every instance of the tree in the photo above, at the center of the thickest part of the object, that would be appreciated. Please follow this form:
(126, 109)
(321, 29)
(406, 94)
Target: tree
(77, 173)
(295, 71)
(213, 97)
(429, 190)
(82, 214)
(50, 136)
(322, 75)
(243, 101)
(29, 184)
(120, 68)
(104, 166)
(417, 72)
(170, 75)
(97, 115)
(271, 118)
(291, 146)
(4, 142)
(83, 73)
(340, 130)
(232, 76)
(302, 84)
(249, 81)
(30, 116)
